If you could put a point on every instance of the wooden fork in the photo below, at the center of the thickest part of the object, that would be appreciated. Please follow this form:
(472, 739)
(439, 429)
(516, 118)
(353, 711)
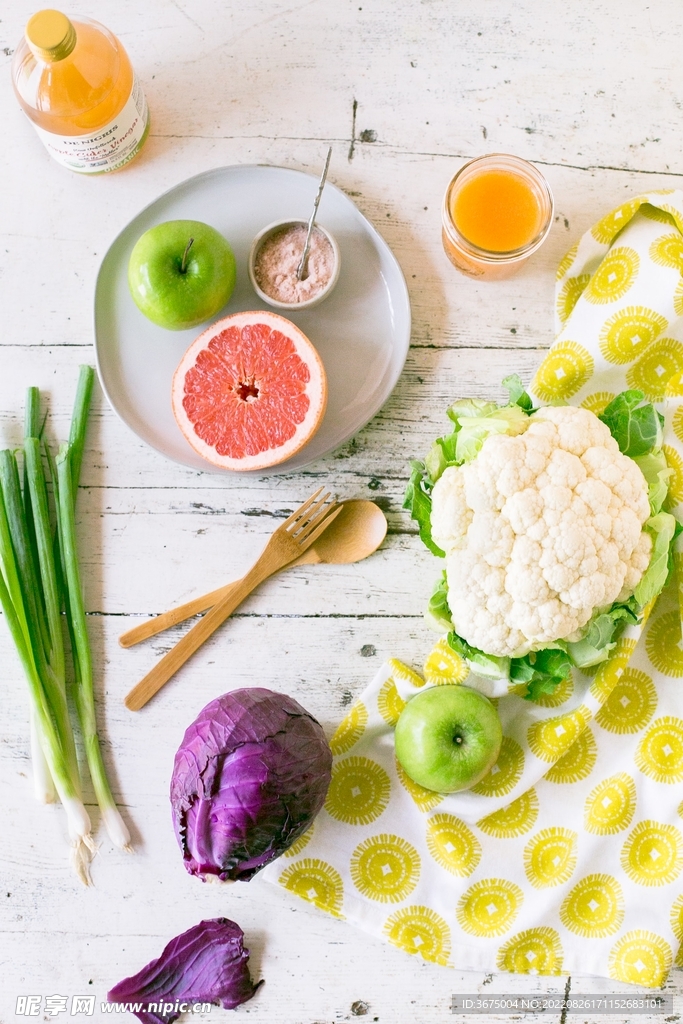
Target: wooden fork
(290, 540)
(152, 627)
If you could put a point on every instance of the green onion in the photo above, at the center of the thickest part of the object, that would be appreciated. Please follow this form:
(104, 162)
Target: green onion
(54, 672)
(43, 784)
(79, 422)
(39, 577)
(84, 694)
(44, 788)
(67, 785)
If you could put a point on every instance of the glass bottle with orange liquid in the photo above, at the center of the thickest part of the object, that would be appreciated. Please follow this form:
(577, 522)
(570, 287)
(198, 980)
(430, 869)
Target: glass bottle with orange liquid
(75, 82)
(497, 210)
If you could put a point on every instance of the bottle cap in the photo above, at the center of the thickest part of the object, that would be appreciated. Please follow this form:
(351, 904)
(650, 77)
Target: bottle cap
(50, 35)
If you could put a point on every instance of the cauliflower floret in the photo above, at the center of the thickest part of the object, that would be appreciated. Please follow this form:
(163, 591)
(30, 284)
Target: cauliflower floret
(640, 559)
(540, 530)
(451, 514)
(578, 429)
(523, 510)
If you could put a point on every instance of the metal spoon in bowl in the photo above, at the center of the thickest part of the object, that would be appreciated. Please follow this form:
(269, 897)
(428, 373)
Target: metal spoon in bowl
(357, 531)
(301, 269)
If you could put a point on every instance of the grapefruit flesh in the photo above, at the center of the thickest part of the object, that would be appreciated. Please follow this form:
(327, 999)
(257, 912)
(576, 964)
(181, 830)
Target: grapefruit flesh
(250, 391)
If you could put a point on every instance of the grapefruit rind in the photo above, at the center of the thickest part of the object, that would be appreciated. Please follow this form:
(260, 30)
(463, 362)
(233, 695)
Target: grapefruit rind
(315, 390)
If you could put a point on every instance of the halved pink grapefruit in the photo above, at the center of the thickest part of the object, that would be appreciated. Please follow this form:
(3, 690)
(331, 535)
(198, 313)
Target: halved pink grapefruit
(250, 391)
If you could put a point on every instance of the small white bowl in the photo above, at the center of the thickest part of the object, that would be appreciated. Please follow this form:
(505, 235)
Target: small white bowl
(263, 236)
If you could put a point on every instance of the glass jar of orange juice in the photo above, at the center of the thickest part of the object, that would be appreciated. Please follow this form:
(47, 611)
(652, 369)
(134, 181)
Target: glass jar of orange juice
(75, 82)
(497, 210)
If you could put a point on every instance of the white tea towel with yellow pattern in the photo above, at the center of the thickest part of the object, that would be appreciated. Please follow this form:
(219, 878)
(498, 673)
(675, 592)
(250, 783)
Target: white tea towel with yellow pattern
(568, 855)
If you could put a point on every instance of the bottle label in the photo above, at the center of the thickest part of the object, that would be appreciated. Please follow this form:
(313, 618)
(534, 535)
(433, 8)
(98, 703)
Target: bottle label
(108, 148)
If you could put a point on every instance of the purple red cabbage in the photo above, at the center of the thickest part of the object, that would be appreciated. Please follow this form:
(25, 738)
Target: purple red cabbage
(250, 776)
(206, 964)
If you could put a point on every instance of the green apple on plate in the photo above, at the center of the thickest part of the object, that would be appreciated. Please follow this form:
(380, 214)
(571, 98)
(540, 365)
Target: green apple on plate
(181, 273)
(448, 737)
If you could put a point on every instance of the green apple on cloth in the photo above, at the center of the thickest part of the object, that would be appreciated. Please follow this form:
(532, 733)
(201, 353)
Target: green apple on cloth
(448, 739)
(568, 855)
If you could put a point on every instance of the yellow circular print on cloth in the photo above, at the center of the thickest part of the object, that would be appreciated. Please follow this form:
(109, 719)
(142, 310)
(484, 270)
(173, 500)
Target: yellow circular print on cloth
(641, 958)
(610, 806)
(614, 276)
(453, 845)
(570, 293)
(610, 225)
(653, 370)
(630, 705)
(674, 462)
(359, 791)
(551, 738)
(594, 908)
(678, 562)
(350, 729)
(534, 951)
(506, 772)
(444, 665)
(390, 703)
(626, 334)
(402, 674)
(385, 868)
(660, 752)
(598, 401)
(676, 918)
(564, 371)
(609, 672)
(577, 763)
(301, 843)
(677, 422)
(425, 799)
(489, 907)
(514, 820)
(317, 882)
(420, 931)
(667, 251)
(550, 857)
(676, 214)
(678, 298)
(566, 261)
(654, 213)
(675, 386)
(653, 853)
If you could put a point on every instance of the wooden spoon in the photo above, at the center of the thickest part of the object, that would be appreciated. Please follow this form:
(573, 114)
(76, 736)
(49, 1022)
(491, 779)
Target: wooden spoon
(358, 530)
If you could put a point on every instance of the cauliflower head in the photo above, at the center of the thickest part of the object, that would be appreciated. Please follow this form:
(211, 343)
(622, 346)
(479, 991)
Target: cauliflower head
(540, 531)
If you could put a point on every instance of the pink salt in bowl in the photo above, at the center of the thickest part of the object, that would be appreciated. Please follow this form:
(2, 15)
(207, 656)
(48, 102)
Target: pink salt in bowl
(274, 257)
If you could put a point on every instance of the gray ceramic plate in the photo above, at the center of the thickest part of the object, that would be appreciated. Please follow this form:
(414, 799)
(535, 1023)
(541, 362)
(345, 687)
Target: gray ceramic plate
(361, 331)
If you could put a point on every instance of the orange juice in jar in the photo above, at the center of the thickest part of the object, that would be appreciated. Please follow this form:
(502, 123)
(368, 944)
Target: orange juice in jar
(497, 210)
(75, 82)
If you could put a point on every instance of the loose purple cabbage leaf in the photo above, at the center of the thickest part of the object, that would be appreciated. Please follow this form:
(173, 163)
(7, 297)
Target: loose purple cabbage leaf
(249, 777)
(206, 964)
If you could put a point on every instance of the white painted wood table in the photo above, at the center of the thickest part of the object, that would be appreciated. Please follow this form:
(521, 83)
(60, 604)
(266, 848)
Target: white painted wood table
(404, 91)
